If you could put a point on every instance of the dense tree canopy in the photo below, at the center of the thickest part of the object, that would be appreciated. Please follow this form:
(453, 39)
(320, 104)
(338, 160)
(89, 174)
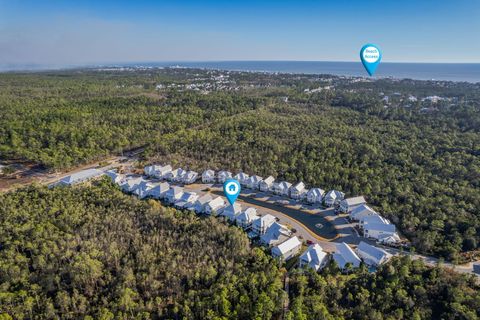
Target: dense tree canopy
(401, 289)
(421, 169)
(420, 172)
(91, 252)
(71, 252)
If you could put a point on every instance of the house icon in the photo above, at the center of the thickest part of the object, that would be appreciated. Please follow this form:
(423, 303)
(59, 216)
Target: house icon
(232, 187)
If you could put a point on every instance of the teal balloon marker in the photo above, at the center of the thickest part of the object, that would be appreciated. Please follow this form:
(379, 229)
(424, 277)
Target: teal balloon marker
(231, 189)
(370, 55)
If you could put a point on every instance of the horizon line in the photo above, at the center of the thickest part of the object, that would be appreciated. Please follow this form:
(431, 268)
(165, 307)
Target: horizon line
(12, 67)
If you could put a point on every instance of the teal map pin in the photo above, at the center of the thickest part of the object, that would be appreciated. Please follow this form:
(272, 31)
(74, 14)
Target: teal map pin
(370, 55)
(231, 189)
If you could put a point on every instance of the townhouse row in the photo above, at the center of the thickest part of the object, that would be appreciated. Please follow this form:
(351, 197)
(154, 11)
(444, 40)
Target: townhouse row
(374, 227)
(296, 191)
(265, 228)
(371, 224)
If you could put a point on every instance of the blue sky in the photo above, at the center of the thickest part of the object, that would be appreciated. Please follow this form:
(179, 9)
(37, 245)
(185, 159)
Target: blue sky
(81, 32)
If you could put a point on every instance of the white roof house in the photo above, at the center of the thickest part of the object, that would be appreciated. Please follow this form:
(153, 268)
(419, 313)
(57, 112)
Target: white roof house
(371, 255)
(223, 176)
(178, 175)
(208, 176)
(174, 175)
(131, 183)
(412, 98)
(253, 182)
(361, 211)
(275, 234)
(162, 172)
(189, 177)
(388, 239)
(246, 218)
(170, 175)
(159, 191)
(114, 176)
(215, 206)
(242, 177)
(80, 176)
(378, 230)
(345, 255)
(298, 191)
(314, 257)
(151, 170)
(347, 205)
(261, 225)
(282, 188)
(232, 211)
(201, 202)
(315, 195)
(333, 197)
(173, 194)
(266, 184)
(187, 199)
(143, 189)
(375, 218)
(288, 249)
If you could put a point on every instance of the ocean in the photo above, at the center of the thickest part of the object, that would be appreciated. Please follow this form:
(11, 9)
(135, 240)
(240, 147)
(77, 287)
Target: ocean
(469, 72)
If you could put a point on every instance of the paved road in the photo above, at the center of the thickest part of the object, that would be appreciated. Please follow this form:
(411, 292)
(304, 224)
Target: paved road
(301, 230)
(345, 230)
